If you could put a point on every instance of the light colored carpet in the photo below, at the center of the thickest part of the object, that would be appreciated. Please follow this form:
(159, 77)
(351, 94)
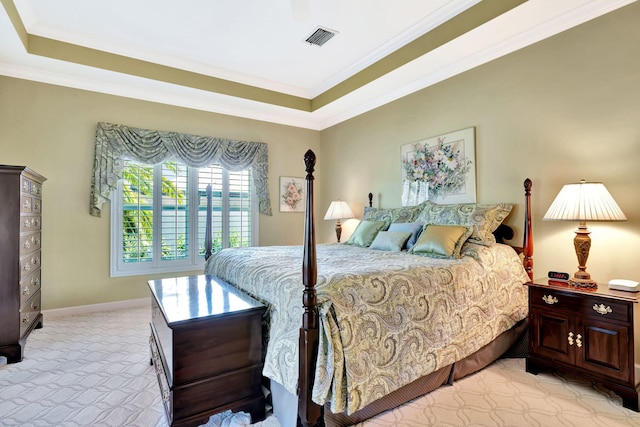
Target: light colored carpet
(93, 370)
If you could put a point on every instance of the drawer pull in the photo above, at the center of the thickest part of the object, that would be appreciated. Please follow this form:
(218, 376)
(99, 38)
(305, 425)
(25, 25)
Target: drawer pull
(601, 309)
(579, 340)
(26, 291)
(550, 299)
(570, 338)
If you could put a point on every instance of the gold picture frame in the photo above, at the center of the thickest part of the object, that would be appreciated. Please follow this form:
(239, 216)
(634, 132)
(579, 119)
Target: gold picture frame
(440, 168)
(292, 194)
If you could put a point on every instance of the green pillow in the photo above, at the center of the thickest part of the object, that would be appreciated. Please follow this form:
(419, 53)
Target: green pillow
(483, 219)
(390, 240)
(442, 241)
(365, 232)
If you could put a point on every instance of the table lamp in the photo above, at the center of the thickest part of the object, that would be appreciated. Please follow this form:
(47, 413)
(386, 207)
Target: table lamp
(584, 201)
(338, 210)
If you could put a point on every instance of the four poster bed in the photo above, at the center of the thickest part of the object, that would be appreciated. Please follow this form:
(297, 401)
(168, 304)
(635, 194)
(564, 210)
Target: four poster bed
(382, 325)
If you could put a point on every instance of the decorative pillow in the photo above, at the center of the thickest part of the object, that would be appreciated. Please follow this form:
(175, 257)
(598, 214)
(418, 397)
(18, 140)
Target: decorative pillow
(392, 241)
(441, 241)
(484, 219)
(411, 227)
(365, 232)
(389, 216)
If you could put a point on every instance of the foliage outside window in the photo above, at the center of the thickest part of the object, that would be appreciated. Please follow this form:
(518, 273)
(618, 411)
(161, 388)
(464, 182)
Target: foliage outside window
(159, 216)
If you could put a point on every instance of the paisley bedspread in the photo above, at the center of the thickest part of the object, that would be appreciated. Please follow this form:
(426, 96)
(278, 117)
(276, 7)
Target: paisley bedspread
(387, 318)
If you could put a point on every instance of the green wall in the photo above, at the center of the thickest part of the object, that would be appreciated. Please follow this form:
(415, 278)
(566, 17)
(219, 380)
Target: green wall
(558, 111)
(52, 129)
(561, 110)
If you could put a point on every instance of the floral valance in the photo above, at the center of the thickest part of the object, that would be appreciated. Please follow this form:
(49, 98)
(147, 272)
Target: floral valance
(116, 143)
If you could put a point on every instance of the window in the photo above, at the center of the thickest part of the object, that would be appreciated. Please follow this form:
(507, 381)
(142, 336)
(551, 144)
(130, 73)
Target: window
(158, 216)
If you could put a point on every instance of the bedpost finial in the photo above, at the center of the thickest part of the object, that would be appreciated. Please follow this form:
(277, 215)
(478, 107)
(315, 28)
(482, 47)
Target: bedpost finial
(309, 161)
(527, 185)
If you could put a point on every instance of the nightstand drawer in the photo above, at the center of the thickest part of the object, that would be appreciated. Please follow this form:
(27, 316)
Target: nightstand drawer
(592, 306)
(607, 309)
(552, 299)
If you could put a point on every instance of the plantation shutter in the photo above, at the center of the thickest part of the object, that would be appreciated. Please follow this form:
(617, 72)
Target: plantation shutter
(174, 211)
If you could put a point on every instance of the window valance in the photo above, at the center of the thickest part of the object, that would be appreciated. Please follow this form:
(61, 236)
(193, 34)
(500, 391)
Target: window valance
(115, 143)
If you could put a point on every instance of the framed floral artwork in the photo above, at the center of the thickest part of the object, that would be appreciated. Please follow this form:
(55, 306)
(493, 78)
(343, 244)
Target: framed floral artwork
(440, 169)
(292, 194)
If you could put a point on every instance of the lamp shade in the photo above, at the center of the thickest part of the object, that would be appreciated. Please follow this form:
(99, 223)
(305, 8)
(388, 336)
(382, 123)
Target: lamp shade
(339, 209)
(584, 201)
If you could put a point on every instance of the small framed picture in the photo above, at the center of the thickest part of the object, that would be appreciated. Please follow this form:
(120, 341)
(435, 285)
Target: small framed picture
(292, 197)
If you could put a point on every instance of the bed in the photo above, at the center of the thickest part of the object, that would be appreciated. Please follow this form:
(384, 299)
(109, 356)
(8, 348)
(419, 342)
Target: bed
(381, 324)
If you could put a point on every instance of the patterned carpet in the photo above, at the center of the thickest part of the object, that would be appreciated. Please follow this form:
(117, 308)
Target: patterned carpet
(93, 370)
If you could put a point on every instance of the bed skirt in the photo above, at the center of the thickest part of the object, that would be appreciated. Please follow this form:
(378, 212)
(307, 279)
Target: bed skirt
(511, 343)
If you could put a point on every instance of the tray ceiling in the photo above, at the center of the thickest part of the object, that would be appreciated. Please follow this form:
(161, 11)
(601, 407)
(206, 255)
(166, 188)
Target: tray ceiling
(249, 58)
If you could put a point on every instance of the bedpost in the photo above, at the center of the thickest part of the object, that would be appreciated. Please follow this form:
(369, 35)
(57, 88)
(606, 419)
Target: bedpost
(207, 234)
(527, 244)
(370, 200)
(308, 411)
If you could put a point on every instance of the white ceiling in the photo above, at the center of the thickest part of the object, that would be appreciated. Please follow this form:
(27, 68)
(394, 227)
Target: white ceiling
(261, 44)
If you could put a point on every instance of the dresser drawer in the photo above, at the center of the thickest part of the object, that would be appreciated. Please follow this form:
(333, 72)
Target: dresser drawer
(25, 185)
(29, 287)
(30, 242)
(30, 205)
(165, 390)
(29, 264)
(36, 189)
(26, 204)
(29, 313)
(30, 223)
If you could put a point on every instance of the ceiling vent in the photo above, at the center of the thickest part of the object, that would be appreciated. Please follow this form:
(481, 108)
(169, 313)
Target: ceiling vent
(320, 36)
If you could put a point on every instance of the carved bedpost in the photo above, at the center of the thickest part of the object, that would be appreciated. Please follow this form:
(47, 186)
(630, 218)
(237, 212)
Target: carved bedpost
(527, 244)
(308, 411)
(370, 200)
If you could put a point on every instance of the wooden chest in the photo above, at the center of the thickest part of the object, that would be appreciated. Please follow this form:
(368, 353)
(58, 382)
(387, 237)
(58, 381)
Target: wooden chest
(206, 346)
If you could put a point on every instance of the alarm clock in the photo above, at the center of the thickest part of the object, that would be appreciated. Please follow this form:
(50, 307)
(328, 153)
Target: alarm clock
(556, 275)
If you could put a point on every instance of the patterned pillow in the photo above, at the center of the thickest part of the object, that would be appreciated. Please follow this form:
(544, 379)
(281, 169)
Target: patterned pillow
(441, 241)
(389, 216)
(390, 241)
(365, 232)
(483, 219)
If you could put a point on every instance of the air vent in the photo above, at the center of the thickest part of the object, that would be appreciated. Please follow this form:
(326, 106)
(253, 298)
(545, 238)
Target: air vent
(320, 36)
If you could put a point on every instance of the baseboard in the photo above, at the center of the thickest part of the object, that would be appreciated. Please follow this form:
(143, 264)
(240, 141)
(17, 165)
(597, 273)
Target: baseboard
(94, 308)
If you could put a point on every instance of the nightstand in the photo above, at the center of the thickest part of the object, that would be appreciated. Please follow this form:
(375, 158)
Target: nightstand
(586, 332)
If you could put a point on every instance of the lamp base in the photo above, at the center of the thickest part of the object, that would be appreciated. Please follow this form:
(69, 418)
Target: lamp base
(583, 283)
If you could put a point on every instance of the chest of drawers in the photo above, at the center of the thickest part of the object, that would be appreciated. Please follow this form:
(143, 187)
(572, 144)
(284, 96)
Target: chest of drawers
(592, 333)
(206, 346)
(20, 258)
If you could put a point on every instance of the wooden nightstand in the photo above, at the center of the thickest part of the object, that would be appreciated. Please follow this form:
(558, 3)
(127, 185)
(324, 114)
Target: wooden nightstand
(586, 332)
(206, 346)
